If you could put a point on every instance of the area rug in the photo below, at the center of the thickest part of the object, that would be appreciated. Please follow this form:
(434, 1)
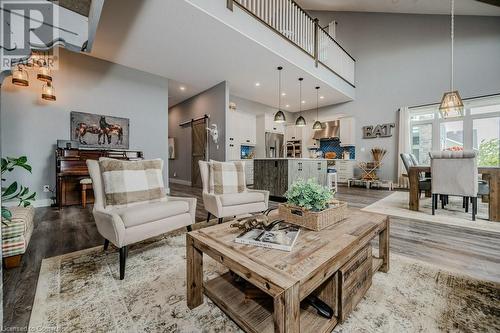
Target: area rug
(81, 292)
(396, 204)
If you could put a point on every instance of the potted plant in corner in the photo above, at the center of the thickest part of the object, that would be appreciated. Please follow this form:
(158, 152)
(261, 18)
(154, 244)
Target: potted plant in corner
(15, 191)
(312, 206)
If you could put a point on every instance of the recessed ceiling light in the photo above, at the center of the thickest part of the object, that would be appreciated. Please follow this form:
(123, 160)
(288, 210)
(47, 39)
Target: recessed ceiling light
(321, 97)
(257, 84)
(288, 105)
(182, 88)
(283, 94)
(303, 102)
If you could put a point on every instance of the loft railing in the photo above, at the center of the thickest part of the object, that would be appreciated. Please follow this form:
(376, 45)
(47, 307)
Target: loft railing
(289, 20)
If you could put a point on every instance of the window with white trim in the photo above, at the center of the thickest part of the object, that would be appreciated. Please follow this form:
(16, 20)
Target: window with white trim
(478, 129)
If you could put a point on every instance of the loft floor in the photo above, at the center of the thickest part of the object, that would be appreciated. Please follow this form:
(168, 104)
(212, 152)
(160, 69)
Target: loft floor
(471, 252)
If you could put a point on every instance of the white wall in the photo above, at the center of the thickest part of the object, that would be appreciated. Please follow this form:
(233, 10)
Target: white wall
(404, 60)
(31, 126)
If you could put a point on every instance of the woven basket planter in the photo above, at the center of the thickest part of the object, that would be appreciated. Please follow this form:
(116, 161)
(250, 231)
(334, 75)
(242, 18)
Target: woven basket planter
(314, 220)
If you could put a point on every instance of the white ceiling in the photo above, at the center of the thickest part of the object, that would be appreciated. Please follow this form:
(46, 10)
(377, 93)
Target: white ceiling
(462, 7)
(175, 40)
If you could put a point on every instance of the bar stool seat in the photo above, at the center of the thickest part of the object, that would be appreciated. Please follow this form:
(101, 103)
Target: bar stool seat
(85, 184)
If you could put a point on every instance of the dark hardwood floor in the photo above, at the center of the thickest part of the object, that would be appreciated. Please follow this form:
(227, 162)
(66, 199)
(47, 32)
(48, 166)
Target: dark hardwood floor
(471, 252)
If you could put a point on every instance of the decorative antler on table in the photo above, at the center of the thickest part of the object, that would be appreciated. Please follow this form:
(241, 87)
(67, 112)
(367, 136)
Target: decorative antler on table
(251, 222)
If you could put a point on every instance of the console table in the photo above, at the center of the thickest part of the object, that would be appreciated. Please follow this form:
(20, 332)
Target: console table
(335, 264)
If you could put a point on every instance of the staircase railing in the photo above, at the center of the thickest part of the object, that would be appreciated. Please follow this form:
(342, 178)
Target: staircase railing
(289, 20)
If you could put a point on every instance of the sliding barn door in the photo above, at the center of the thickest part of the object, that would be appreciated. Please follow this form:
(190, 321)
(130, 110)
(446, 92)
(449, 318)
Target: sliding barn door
(198, 149)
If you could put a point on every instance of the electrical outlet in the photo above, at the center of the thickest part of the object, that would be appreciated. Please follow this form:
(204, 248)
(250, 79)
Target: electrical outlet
(46, 188)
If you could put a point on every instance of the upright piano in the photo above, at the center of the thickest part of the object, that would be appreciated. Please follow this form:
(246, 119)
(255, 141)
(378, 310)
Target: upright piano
(71, 167)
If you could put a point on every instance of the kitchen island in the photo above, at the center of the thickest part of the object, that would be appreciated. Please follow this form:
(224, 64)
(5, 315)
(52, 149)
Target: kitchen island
(277, 174)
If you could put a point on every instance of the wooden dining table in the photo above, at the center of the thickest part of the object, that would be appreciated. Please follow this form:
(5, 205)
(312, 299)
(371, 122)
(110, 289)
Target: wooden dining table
(489, 174)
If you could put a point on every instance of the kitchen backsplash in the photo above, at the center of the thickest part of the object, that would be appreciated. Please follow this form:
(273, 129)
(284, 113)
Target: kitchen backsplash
(247, 152)
(334, 146)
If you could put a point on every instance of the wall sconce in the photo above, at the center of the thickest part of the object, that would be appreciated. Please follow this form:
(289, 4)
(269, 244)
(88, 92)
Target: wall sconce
(44, 74)
(48, 92)
(20, 77)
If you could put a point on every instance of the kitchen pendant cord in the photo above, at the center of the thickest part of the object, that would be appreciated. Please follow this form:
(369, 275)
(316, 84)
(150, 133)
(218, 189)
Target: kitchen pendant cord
(452, 40)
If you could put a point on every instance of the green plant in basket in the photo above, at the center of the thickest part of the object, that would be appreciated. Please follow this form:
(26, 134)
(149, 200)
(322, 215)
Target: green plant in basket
(309, 195)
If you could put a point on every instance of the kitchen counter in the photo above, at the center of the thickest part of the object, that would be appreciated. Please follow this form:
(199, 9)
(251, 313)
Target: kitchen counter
(277, 174)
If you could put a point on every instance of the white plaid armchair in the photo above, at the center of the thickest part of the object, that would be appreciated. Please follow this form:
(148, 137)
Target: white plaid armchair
(233, 204)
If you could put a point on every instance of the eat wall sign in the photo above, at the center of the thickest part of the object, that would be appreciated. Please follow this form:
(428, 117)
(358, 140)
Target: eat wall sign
(380, 131)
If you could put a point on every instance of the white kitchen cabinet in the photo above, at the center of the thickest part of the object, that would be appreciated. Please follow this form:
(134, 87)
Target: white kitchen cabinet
(294, 133)
(249, 171)
(271, 126)
(241, 127)
(347, 131)
(345, 170)
(306, 169)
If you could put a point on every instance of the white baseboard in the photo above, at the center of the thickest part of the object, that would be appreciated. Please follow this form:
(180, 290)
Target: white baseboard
(179, 181)
(36, 203)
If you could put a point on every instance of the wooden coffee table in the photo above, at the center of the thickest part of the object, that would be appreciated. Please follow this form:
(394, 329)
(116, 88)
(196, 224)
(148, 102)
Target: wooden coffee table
(336, 264)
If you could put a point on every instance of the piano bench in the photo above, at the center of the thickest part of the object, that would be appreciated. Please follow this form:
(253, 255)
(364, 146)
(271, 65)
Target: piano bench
(85, 184)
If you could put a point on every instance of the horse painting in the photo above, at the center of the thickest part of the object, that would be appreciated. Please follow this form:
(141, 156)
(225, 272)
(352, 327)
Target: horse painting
(92, 130)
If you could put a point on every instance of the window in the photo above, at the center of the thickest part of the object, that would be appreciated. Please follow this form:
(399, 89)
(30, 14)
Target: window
(486, 140)
(421, 142)
(452, 135)
(478, 129)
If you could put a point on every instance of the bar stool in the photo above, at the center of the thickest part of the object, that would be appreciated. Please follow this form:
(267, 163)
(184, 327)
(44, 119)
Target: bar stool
(85, 184)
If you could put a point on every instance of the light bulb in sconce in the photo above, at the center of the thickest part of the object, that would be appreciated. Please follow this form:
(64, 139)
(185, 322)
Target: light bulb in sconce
(44, 74)
(48, 92)
(20, 77)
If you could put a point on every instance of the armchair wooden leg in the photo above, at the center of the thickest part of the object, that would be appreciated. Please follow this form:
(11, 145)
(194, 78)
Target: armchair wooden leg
(106, 244)
(474, 208)
(464, 199)
(123, 259)
(208, 217)
(466, 204)
(220, 220)
(84, 197)
(434, 196)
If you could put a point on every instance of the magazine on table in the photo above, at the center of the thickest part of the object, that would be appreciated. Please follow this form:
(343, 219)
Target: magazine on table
(279, 235)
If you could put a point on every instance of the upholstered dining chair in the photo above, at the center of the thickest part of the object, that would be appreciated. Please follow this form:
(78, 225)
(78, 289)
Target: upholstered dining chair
(230, 204)
(125, 225)
(454, 173)
(409, 160)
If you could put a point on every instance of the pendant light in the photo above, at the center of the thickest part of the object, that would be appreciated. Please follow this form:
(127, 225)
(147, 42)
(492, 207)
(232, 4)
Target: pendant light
(317, 124)
(452, 104)
(300, 122)
(48, 92)
(44, 74)
(279, 117)
(20, 76)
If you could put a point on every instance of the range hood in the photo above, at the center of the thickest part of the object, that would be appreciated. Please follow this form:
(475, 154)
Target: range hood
(330, 130)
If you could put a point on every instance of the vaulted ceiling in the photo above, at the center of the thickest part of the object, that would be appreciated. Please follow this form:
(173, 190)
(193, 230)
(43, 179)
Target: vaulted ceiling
(463, 7)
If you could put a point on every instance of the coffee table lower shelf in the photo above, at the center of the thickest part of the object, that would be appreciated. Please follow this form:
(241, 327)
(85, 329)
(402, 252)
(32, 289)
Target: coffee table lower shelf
(255, 314)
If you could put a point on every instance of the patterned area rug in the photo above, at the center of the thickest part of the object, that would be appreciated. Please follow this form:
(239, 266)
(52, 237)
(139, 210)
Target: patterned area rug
(396, 204)
(80, 292)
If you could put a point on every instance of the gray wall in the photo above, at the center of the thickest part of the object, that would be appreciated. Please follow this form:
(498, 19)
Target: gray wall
(31, 126)
(213, 102)
(404, 60)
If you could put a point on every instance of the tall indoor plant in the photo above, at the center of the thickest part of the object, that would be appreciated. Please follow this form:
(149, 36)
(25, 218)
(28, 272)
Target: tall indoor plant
(15, 191)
